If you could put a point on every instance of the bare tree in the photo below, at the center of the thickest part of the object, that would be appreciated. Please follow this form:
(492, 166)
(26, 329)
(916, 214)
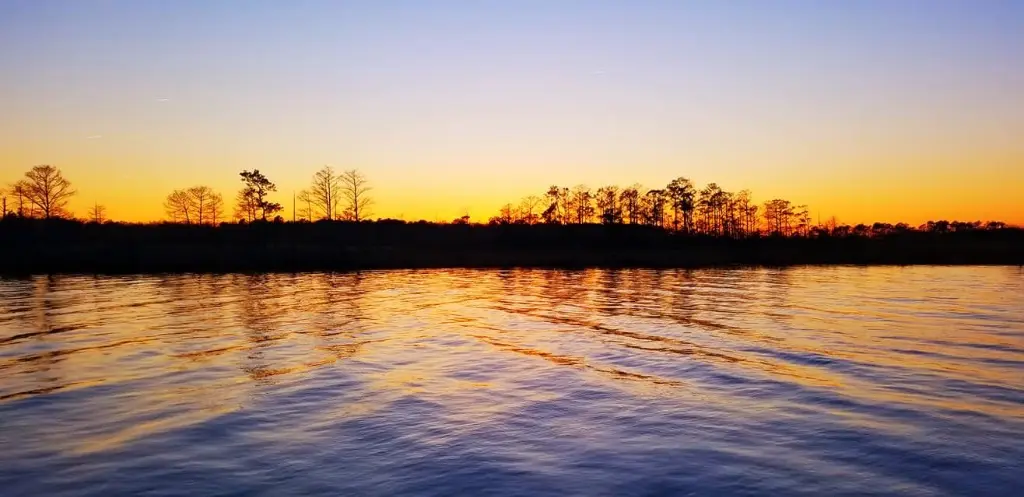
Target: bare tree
(198, 204)
(355, 190)
(201, 197)
(306, 200)
(46, 188)
(528, 209)
(19, 192)
(179, 207)
(97, 213)
(325, 192)
(215, 208)
(246, 206)
(507, 215)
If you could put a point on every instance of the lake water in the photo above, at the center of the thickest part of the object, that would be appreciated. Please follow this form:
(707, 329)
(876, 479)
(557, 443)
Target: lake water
(805, 381)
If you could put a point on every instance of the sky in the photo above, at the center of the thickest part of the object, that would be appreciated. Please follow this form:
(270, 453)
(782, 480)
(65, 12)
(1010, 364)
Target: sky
(868, 111)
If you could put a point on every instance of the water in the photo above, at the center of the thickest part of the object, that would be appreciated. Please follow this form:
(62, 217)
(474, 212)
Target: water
(809, 381)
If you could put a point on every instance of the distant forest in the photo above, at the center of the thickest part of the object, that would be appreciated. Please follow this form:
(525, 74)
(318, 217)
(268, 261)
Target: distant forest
(331, 228)
(679, 207)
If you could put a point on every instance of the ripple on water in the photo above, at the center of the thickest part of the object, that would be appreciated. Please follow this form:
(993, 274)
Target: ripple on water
(806, 381)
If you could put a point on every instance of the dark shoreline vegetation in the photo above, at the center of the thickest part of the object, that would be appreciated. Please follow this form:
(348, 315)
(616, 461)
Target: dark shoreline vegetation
(674, 226)
(33, 246)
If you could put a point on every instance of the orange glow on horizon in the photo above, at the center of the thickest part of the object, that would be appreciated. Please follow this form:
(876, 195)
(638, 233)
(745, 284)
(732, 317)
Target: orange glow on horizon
(450, 110)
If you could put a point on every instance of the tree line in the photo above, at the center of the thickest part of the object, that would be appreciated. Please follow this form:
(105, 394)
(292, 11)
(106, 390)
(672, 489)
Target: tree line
(679, 207)
(44, 193)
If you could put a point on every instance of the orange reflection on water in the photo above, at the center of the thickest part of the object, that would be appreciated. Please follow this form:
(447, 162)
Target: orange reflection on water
(184, 349)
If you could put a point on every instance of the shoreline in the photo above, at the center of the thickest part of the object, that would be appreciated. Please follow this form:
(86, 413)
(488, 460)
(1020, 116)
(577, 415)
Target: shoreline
(66, 247)
(186, 262)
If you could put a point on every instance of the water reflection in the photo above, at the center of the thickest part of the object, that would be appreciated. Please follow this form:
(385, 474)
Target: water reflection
(465, 362)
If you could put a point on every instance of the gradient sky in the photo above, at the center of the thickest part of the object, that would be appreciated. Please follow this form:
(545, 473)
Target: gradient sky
(868, 110)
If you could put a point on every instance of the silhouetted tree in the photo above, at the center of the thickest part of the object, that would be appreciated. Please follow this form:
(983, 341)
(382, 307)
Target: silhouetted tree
(712, 207)
(256, 189)
(246, 206)
(355, 190)
(830, 226)
(305, 199)
(215, 208)
(629, 201)
(802, 216)
(558, 205)
(528, 209)
(202, 198)
(654, 208)
(46, 188)
(746, 212)
(179, 207)
(582, 206)
(97, 213)
(608, 204)
(325, 192)
(680, 194)
(506, 215)
(18, 193)
(195, 205)
(778, 216)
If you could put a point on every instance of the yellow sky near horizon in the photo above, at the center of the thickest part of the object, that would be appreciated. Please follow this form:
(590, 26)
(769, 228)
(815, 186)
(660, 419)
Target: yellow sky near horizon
(866, 112)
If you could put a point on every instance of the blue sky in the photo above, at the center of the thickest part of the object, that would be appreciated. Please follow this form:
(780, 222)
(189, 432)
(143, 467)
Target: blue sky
(452, 106)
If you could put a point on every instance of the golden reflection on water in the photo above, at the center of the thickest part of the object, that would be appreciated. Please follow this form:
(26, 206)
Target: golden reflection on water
(175, 350)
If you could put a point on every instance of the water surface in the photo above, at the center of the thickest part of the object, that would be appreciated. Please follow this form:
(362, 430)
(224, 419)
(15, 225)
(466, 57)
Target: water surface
(807, 381)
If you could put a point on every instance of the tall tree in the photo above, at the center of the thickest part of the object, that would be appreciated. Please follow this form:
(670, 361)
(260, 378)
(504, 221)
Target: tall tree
(305, 205)
(528, 209)
(653, 205)
(246, 207)
(198, 204)
(215, 208)
(802, 216)
(710, 207)
(355, 190)
(582, 204)
(201, 198)
(746, 211)
(46, 188)
(179, 207)
(778, 216)
(325, 192)
(608, 204)
(17, 191)
(557, 210)
(256, 189)
(629, 201)
(680, 192)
